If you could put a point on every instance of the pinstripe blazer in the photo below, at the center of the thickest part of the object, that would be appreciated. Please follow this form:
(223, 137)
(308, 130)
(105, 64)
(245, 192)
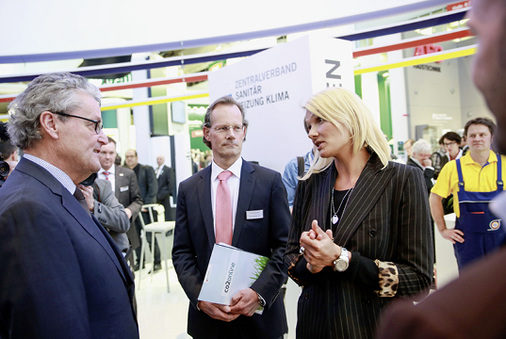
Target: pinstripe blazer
(387, 218)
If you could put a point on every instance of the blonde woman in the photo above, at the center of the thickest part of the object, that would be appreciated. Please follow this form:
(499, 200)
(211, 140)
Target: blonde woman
(360, 234)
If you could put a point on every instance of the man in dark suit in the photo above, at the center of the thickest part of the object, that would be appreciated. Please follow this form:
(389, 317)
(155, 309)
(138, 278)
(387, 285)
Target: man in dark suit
(474, 305)
(61, 274)
(166, 186)
(125, 186)
(420, 158)
(259, 209)
(149, 188)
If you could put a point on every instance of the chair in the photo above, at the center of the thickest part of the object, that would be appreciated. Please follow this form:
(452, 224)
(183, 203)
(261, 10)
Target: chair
(160, 227)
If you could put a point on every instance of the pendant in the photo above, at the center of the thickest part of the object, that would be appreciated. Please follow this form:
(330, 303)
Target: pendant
(335, 219)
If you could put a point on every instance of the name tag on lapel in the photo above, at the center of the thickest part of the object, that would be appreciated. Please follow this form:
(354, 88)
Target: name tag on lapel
(257, 214)
(123, 189)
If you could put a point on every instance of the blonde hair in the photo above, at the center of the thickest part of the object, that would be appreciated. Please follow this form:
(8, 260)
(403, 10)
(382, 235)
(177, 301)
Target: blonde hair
(346, 110)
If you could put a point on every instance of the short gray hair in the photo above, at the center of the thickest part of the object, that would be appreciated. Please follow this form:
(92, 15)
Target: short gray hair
(422, 146)
(225, 100)
(54, 92)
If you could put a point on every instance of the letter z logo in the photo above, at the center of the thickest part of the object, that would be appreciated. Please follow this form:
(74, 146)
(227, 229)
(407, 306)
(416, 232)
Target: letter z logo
(330, 73)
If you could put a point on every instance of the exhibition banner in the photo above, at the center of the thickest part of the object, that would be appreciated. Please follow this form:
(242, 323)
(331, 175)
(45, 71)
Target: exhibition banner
(273, 87)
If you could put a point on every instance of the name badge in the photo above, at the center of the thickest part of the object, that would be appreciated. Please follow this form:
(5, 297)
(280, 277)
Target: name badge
(123, 189)
(257, 214)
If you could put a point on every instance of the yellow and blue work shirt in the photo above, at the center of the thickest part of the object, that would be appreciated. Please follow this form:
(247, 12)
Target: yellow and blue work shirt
(476, 178)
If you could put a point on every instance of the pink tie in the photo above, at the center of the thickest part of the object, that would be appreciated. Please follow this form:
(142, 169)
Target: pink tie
(106, 175)
(223, 210)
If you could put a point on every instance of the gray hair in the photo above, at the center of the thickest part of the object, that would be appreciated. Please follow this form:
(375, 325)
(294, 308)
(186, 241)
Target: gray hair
(54, 92)
(422, 146)
(226, 100)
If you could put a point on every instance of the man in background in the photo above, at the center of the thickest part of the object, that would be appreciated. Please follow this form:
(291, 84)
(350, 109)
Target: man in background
(451, 142)
(420, 158)
(473, 180)
(8, 154)
(243, 205)
(474, 305)
(126, 189)
(61, 274)
(148, 187)
(166, 179)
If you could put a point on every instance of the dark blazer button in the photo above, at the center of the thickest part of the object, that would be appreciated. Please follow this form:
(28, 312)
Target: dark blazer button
(372, 233)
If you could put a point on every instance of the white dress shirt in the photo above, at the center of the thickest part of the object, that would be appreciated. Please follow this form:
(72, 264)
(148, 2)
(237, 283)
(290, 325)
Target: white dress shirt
(59, 175)
(111, 176)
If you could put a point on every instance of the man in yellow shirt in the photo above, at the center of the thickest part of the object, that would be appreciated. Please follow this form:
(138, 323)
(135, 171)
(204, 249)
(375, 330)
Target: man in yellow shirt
(473, 180)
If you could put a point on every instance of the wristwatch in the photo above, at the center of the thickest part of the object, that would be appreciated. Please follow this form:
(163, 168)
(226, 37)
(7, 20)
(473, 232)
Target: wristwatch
(261, 300)
(341, 264)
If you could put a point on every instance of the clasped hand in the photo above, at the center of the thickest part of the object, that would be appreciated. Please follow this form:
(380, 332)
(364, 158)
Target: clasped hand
(319, 248)
(244, 302)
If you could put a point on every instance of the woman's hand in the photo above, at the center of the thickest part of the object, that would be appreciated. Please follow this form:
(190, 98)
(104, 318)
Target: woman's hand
(319, 248)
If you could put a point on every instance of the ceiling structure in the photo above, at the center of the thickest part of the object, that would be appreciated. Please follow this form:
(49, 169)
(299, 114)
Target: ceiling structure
(194, 55)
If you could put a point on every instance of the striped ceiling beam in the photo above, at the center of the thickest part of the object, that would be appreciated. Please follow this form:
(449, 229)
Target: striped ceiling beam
(127, 67)
(415, 42)
(433, 57)
(196, 77)
(279, 31)
(456, 53)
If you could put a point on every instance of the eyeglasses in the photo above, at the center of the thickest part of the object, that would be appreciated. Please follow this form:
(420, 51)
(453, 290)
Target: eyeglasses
(98, 124)
(446, 144)
(225, 129)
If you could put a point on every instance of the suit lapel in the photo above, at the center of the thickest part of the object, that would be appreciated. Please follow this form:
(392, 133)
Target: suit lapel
(368, 189)
(91, 226)
(245, 194)
(205, 203)
(71, 204)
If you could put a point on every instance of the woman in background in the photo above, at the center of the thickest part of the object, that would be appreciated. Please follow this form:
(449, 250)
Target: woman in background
(360, 234)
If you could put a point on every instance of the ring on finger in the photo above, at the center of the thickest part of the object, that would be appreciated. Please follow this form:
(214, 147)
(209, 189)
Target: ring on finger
(302, 249)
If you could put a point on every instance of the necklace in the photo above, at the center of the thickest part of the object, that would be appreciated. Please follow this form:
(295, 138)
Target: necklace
(334, 212)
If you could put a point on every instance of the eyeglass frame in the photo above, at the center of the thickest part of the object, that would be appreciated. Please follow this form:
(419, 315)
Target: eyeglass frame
(447, 144)
(99, 126)
(225, 128)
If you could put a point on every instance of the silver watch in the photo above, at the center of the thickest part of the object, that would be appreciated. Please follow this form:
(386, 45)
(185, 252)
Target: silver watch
(341, 264)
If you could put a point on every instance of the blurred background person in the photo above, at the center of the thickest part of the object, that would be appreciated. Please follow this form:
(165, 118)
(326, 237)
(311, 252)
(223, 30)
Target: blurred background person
(360, 233)
(451, 142)
(295, 169)
(166, 179)
(474, 180)
(126, 190)
(420, 158)
(108, 210)
(148, 186)
(408, 149)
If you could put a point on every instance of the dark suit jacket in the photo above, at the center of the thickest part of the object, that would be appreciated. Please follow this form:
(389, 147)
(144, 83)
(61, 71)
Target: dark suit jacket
(128, 194)
(473, 306)
(260, 189)
(148, 185)
(61, 274)
(387, 218)
(111, 213)
(166, 189)
(428, 174)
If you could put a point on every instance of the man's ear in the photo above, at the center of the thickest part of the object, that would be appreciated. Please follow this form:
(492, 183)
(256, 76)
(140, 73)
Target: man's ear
(206, 130)
(49, 124)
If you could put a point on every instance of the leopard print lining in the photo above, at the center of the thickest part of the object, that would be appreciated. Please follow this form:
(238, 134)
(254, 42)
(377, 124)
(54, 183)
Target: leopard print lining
(388, 279)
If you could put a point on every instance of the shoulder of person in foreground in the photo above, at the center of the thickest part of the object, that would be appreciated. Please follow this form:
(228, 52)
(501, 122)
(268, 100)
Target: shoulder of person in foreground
(472, 306)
